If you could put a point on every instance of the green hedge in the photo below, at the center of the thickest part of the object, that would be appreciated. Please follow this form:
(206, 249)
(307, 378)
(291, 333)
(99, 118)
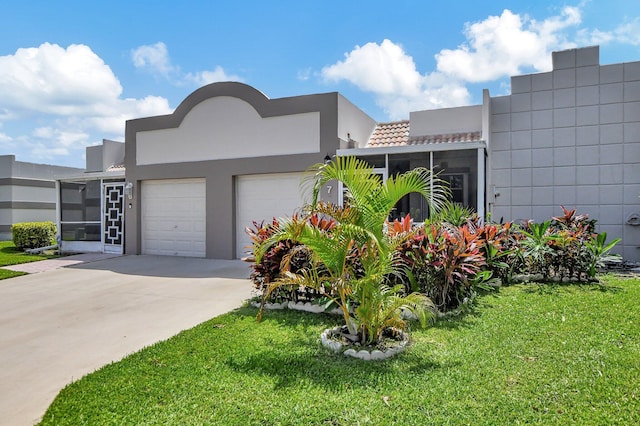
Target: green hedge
(28, 235)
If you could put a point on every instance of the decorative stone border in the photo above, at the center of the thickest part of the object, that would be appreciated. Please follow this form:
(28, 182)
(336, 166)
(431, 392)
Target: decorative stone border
(298, 306)
(363, 354)
(335, 346)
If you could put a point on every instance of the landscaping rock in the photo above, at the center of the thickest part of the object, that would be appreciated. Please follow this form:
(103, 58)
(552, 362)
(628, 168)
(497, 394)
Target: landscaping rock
(350, 352)
(378, 355)
(327, 340)
(364, 355)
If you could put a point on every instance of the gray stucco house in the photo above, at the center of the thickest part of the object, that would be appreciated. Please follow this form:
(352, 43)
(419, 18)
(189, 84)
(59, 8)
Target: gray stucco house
(229, 155)
(27, 192)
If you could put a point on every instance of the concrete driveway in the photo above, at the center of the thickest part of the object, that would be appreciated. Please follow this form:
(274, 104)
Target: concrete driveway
(57, 326)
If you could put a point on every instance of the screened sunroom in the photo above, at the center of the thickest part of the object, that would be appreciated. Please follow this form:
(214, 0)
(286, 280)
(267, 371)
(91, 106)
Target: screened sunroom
(91, 205)
(459, 159)
(91, 213)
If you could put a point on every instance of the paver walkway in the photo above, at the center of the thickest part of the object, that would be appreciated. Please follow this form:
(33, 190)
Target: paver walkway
(60, 262)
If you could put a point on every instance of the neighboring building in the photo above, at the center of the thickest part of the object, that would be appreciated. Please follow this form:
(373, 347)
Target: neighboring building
(228, 155)
(570, 137)
(27, 192)
(91, 213)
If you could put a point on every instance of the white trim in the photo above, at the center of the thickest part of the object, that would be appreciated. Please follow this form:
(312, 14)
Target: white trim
(431, 165)
(449, 146)
(93, 176)
(58, 215)
(481, 184)
(111, 248)
(88, 246)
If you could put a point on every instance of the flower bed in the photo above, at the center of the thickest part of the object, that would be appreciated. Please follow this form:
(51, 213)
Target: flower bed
(334, 339)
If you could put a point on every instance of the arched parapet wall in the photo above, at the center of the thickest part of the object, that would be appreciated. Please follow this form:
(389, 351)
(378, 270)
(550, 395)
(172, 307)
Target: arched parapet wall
(226, 121)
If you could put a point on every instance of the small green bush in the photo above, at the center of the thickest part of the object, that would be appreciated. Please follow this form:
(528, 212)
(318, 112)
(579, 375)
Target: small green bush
(28, 235)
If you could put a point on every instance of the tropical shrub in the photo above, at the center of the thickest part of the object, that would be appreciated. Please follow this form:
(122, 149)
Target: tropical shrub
(565, 248)
(443, 263)
(29, 235)
(353, 261)
(599, 252)
(573, 222)
(283, 255)
(536, 248)
(501, 250)
(454, 214)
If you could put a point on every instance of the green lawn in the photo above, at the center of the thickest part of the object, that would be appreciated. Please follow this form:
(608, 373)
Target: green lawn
(9, 255)
(528, 354)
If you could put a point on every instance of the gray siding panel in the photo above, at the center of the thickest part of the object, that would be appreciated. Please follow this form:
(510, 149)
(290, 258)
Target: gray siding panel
(27, 205)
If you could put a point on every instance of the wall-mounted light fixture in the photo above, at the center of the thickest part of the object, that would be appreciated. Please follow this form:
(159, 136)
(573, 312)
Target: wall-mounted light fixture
(128, 190)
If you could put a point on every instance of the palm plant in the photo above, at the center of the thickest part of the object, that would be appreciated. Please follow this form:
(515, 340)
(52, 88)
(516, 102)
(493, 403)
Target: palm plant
(599, 252)
(355, 259)
(537, 247)
(455, 214)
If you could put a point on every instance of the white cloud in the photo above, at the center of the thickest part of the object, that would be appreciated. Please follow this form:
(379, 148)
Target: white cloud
(70, 139)
(628, 33)
(202, 78)
(48, 141)
(382, 68)
(304, 74)
(45, 151)
(495, 48)
(391, 75)
(44, 132)
(155, 59)
(625, 33)
(53, 80)
(71, 93)
(503, 45)
(113, 121)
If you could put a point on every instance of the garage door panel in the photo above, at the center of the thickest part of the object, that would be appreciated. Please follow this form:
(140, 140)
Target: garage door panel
(261, 198)
(174, 217)
(156, 208)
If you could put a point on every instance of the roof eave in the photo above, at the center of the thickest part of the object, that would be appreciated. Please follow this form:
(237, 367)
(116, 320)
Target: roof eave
(434, 147)
(119, 174)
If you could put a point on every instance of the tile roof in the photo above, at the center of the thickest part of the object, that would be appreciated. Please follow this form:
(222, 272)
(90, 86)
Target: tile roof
(116, 168)
(390, 134)
(397, 134)
(446, 138)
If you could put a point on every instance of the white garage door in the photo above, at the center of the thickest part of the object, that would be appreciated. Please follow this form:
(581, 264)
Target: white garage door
(263, 197)
(174, 217)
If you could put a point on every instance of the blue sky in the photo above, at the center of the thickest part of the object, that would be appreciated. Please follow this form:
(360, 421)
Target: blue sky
(72, 72)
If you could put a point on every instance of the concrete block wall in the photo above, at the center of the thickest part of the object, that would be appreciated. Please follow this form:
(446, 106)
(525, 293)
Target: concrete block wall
(570, 137)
